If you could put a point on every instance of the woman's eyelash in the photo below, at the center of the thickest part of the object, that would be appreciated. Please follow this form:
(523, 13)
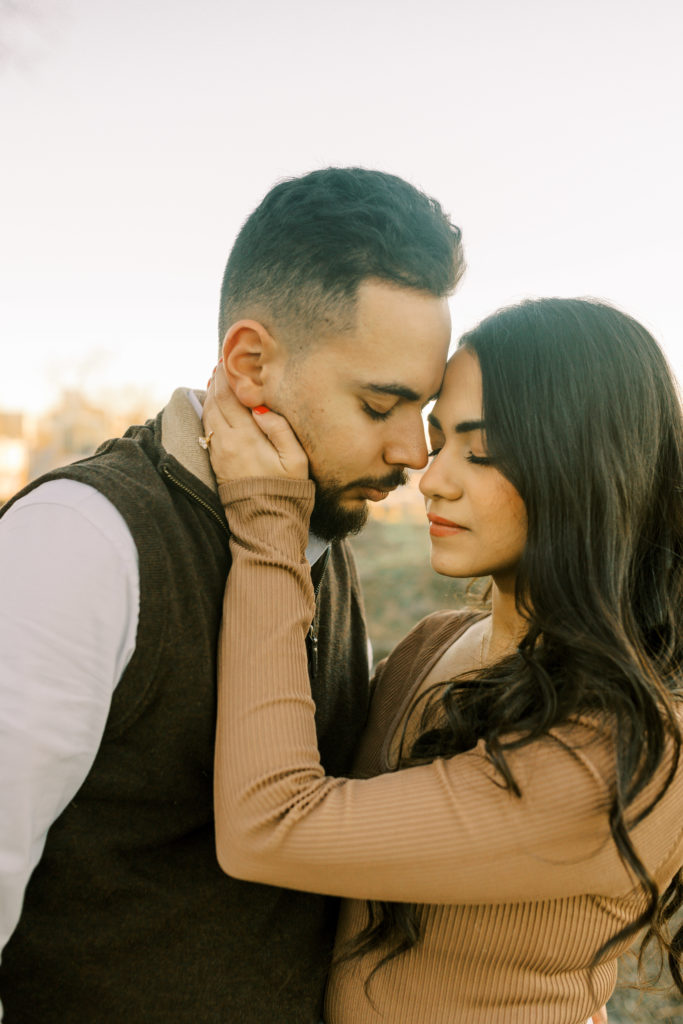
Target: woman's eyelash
(476, 460)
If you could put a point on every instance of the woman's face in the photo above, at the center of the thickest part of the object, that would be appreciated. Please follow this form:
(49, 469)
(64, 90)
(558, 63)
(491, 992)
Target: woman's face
(477, 520)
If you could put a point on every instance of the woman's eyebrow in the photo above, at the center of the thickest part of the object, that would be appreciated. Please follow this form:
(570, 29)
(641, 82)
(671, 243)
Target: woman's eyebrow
(468, 426)
(465, 427)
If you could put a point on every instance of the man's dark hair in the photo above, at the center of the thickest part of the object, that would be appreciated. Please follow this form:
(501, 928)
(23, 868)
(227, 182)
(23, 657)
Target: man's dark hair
(301, 255)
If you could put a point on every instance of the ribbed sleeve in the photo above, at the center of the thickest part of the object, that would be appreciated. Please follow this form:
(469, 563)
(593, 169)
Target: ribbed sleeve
(444, 833)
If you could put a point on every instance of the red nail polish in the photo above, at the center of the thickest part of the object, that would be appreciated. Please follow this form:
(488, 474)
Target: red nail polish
(260, 409)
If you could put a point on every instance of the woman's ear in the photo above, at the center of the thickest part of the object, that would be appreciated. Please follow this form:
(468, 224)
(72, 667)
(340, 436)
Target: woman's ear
(248, 352)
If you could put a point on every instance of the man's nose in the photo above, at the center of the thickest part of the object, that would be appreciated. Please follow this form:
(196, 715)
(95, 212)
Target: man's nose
(408, 448)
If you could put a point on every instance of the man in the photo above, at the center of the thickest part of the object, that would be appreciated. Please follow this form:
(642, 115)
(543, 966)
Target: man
(333, 312)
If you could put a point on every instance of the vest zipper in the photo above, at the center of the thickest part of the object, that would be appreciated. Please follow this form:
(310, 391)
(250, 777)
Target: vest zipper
(312, 636)
(204, 504)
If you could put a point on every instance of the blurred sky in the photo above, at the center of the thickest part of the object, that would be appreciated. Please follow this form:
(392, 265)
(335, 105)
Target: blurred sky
(138, 135)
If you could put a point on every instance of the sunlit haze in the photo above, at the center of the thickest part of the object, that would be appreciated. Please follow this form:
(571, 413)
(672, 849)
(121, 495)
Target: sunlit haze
(137, 136)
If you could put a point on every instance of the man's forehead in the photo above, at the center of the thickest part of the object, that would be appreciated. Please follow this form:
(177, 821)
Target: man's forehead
(402, 353)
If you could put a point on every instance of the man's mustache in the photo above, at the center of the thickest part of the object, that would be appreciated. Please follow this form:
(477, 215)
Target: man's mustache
(397, 478)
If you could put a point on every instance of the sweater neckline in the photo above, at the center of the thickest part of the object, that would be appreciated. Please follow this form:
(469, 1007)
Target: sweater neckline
(468, 619)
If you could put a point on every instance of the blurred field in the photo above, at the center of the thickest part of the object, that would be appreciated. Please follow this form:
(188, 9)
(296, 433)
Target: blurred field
(660, 1005)
(400, 588)
(399, 585)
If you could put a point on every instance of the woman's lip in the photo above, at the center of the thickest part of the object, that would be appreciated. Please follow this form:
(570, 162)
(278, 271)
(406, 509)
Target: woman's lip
(439, 527)
(444, 522)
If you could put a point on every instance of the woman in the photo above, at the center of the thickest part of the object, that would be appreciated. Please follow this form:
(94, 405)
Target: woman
(537, 820)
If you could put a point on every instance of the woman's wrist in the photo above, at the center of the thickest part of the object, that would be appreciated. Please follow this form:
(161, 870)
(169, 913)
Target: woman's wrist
(269, 517)
(267, 487)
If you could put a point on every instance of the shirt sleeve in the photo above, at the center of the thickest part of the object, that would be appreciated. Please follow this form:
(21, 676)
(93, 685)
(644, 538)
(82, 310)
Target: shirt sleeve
(444, 832)
(69, 600)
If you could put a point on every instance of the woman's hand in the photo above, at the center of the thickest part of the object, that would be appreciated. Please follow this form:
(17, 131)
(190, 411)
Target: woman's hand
(246, 443)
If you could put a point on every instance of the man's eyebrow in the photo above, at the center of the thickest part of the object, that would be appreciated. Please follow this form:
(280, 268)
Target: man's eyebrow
(400, 390)
(465, 427)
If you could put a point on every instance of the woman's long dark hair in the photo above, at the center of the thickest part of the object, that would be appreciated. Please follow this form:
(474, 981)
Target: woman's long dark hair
(583, 417)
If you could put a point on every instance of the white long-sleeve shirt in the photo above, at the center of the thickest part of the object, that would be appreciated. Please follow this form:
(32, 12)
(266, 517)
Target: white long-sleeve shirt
(69, 604)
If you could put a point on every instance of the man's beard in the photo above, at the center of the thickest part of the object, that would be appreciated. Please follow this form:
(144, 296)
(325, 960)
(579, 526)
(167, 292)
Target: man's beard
(331, 520)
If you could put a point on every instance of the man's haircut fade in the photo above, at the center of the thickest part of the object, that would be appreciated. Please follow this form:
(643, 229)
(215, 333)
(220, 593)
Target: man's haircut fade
(300, 257)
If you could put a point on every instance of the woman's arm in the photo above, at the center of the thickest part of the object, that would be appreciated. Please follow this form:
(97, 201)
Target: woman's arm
(442, 832)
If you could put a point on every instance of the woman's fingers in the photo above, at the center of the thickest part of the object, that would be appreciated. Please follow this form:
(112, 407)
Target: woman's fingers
(221, 397)
(283, 439)
(245, 445)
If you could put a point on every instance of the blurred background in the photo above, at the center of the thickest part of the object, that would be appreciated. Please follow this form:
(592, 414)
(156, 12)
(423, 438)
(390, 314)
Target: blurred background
(138, 135)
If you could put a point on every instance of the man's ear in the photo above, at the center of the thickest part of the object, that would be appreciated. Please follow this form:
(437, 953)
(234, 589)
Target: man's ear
(249, 354)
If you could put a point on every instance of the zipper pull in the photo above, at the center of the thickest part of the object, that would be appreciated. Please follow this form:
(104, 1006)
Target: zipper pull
(312, 652)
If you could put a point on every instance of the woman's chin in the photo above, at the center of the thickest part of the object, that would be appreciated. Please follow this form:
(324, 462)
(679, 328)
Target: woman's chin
(446, 567)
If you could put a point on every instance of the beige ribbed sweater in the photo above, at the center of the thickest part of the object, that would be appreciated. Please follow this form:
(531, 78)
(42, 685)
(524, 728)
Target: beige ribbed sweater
(518, 894)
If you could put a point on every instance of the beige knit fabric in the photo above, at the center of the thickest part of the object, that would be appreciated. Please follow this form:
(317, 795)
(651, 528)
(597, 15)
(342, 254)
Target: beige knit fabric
(181, 428)
(518, 894)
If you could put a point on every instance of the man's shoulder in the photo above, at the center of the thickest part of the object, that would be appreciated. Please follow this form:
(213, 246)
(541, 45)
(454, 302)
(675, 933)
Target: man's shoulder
(71, 511)
(107, 462)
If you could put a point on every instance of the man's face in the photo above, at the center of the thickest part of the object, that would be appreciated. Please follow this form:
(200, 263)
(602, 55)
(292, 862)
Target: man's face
(354, 401)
